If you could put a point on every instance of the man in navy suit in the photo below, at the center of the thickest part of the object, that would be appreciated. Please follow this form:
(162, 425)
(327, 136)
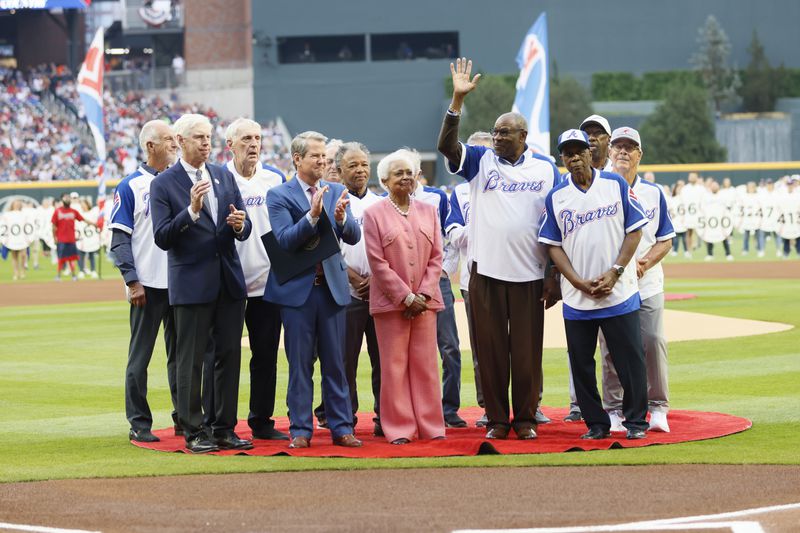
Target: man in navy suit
(313, 302)
(198, 213)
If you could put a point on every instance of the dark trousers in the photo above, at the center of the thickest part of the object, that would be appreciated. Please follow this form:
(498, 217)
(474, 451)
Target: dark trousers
(447, 340)
(359, 323)
(471, 327)
(624, 339)
(197, 326)
(263, 321)
(509, 330)
(145, 322)
(318, 324)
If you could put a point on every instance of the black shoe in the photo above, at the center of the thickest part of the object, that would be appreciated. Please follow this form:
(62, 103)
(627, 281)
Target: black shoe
(454, 421)
(231, 441)
(636, 434)
(378, 430)
(322, 423)
(178, 429)
(540, 418)
(596, 434)
(269, 434)
(201, 444)
(573, 416)
(482, 421)
(142, 435)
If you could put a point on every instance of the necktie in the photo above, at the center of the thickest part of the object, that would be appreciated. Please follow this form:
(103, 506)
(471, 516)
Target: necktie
(206, 199)
(320, 273)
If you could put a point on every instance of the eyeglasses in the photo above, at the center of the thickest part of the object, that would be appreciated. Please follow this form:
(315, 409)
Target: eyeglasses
(503, 132)
(628, 148)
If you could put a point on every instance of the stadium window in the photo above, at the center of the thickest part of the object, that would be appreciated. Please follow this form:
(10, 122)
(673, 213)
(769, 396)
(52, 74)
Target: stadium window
(408, 46)
(321, 49)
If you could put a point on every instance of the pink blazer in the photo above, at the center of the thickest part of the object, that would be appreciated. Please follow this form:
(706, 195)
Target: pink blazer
(404, 254)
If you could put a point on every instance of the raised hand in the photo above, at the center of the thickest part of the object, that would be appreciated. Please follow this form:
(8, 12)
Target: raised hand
(236, 218)
(341, 207)
(463, 81)
(198, 192)
(316, 202)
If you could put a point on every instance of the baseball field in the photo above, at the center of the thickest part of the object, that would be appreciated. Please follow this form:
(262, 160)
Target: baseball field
(63, 349)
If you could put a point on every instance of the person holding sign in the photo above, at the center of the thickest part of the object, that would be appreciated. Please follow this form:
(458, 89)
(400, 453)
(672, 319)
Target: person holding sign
(715, 223)
(303, 212)
(14, 237)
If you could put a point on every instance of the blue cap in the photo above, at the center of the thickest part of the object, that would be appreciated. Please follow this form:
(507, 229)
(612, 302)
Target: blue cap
(569, 136)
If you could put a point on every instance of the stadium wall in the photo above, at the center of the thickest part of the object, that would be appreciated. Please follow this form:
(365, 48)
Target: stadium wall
(387, 104)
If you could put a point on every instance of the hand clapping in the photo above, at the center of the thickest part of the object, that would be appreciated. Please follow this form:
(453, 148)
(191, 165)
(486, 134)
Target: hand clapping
(236, 219)
(341, 207)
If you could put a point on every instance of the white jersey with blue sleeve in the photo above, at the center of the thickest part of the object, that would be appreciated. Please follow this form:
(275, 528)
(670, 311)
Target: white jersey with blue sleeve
(456, 229)
(252, 254)
(507, 201)
(590, 226)
(659, 228)
(438, 199)
(131, 214)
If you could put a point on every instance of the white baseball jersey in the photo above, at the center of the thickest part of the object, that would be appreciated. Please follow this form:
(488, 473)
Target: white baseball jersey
(507, 200)
(590, 227)
(355, 255)
(750, 212)
(457, 229)
(131, 214)
(659, 228)
(438, 199)
(252, 254)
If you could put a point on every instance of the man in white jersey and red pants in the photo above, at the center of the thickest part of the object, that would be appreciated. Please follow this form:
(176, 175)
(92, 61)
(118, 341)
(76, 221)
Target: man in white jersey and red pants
(507, 288)
(592, 225)
(263, 319)
(657, 235)
(143, 266)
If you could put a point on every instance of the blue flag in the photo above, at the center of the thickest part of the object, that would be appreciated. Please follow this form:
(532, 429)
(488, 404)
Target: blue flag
(533, 86)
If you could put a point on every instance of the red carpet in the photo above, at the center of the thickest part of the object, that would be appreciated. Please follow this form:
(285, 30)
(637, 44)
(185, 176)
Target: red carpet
(677, 296)
(555, 437)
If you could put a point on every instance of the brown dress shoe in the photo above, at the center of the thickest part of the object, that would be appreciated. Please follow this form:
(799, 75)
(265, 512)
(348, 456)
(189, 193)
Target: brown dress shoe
(526, 433)
(348, 441)
(300, 442)
(497, 433)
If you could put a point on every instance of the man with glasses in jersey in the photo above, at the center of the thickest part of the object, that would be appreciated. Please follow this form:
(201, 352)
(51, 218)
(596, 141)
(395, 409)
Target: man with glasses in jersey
(508, 286)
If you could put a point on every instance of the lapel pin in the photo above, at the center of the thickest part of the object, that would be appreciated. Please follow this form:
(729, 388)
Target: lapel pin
(216, 181)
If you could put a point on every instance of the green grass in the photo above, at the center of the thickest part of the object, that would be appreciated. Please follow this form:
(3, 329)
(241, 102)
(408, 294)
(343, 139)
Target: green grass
(62, 409)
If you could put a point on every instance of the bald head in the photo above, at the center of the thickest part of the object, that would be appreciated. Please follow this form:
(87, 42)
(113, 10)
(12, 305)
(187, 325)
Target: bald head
(515, 119)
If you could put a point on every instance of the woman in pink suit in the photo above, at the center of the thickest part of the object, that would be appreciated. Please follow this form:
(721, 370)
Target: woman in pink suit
(404, 250)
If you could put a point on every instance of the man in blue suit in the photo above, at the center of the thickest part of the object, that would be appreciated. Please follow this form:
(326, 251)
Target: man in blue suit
(198, 213)
(313, 302)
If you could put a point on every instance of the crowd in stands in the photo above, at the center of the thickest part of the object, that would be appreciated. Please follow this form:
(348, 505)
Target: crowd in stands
(47, 143)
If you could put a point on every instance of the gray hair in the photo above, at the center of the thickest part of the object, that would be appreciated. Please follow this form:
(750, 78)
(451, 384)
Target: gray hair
(149, 133)
(300, 142)
(480, 138)
(188, 123)
(414, 157)
(234, 130)
(349, 147)
(403, 154)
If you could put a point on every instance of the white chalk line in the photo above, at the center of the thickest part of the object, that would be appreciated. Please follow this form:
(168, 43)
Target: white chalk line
(42, 529)
(676, 524)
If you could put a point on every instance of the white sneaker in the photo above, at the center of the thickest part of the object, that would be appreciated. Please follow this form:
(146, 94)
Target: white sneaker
(687, 255)
(673, 253)
(93, 274)
(658, 421)
(760, 254)
(709, 258)
(779, 253)
(616, 421)
(729, 257)
(81, 275)
(745, 252)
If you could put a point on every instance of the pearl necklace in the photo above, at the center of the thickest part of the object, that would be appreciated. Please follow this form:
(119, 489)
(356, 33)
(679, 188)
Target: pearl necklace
(397, 208)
